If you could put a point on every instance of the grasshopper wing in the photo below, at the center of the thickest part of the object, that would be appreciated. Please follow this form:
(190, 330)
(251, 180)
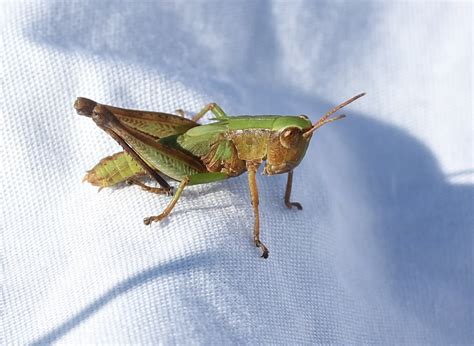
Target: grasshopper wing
(216, 151)
(150, 154)
(155, 124)
(199, 140)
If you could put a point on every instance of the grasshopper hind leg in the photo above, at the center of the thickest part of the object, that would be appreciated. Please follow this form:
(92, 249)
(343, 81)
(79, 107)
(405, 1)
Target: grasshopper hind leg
(157, 190)
(252, 180)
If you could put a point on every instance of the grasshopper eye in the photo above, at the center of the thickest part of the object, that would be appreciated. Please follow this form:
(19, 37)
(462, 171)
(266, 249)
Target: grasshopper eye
(290, 137)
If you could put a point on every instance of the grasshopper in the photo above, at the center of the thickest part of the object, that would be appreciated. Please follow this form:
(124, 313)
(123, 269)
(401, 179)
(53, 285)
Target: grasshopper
(167, 145)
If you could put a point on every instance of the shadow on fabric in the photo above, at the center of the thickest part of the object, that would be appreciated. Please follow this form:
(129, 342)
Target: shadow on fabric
(184, 264)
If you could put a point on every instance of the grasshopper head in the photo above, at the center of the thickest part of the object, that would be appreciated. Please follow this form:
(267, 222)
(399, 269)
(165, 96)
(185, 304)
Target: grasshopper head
(290, 139)
(287, 144)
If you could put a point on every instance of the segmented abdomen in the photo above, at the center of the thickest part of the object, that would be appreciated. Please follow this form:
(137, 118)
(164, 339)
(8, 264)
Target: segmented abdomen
(113, 169)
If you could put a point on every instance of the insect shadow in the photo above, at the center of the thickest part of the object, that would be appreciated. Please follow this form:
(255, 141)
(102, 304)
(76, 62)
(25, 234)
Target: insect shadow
(175, 266)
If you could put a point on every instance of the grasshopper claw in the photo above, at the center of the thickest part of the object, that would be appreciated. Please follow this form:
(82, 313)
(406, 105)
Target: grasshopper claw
(265, 252)
(297, 205)
(148, 220)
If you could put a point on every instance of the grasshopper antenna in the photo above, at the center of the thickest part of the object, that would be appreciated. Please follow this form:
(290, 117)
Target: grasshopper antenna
(325, 118)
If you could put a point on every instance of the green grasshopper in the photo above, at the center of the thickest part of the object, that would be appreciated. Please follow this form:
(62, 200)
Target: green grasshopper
(161, 144)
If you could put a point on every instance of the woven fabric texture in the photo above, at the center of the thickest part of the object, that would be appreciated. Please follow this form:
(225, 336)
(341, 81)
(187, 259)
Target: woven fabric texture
(381, 253)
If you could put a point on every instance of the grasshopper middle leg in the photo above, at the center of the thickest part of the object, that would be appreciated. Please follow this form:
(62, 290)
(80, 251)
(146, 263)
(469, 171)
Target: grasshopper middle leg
(251, 173)
(211, 107)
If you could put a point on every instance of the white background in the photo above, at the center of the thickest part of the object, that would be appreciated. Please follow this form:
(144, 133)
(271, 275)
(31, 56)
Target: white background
(382, 251)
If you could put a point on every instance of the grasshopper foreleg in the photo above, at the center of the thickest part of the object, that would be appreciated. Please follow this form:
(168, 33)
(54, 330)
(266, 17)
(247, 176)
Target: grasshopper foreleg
(157, 190)
(289, 184)
(211, 107)
(252, 168)
(170, 206)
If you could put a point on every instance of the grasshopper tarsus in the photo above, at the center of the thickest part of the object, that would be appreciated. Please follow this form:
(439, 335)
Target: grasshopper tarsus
(265, 251)
(297, 205)
(149, 220)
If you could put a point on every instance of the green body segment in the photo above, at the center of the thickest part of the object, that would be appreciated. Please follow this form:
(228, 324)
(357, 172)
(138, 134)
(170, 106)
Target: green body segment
(119, 167)
(244, 122)
(204, 178)
(269, 122)
(113, 169)
(251, 132)
(173, 145)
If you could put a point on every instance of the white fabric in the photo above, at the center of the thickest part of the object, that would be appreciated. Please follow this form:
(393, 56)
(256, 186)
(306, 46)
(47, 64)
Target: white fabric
(381, 253)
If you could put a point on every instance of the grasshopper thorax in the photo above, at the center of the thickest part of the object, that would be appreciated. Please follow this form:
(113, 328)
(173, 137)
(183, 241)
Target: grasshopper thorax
(282, 145)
